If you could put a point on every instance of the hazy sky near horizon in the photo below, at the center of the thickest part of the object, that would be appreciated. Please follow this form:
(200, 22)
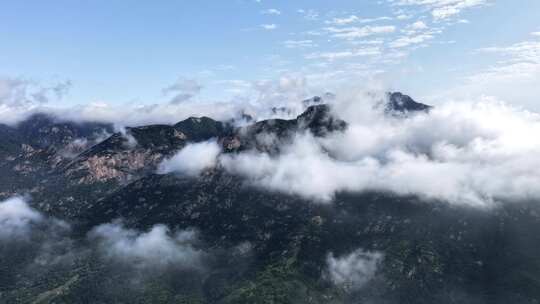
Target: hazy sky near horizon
(119, 51)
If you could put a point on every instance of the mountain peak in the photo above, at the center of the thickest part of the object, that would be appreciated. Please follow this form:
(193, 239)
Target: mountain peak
(401, 103)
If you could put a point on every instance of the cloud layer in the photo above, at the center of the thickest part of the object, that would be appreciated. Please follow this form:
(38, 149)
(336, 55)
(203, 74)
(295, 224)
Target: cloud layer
(259, 97)
(473, 153)
(193, 159)
(477, 154)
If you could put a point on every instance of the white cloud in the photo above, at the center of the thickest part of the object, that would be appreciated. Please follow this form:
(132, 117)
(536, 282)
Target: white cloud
(469, 154)
(521, 62)
(405, 41)
(354, 270)
(16, 107)
(417, 33)
(370, 20)
(419, 25)
(302, 168)
(359, 32)
(514, 75)
(442, 9)
(355, 19)
(272, 11)
(269, 27)
(155, 247)
(16, 218)
(330, 56)
(293, 44)
(404, 17)
(343, 21)
(126, 114)
(536, 34)
(287, 91)
(309, 14)
(192, 159)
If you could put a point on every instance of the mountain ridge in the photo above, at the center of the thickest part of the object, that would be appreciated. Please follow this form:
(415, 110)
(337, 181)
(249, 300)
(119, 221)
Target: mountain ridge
(258, 245)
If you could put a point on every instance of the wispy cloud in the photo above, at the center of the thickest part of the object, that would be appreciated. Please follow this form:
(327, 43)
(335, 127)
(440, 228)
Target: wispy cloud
(442, 9)
(293, 44)
(370, 51)
(417, 33)
(355, 19)
(359, 32)
(269, 27)
(418, 25)
(271, 11)
(521, 61)
(309, 14)
(410, 40)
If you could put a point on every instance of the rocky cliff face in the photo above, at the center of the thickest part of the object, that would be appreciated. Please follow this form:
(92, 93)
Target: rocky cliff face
(256, 246)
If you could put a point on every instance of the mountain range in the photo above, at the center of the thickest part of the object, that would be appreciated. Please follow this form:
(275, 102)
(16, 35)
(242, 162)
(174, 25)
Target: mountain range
(102, 201)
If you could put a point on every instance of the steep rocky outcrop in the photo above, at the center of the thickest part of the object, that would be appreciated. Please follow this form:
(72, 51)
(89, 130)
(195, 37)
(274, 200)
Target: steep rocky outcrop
(399, 103)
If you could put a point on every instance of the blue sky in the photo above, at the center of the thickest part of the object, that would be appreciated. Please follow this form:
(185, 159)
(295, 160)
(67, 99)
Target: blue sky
(120, 51)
